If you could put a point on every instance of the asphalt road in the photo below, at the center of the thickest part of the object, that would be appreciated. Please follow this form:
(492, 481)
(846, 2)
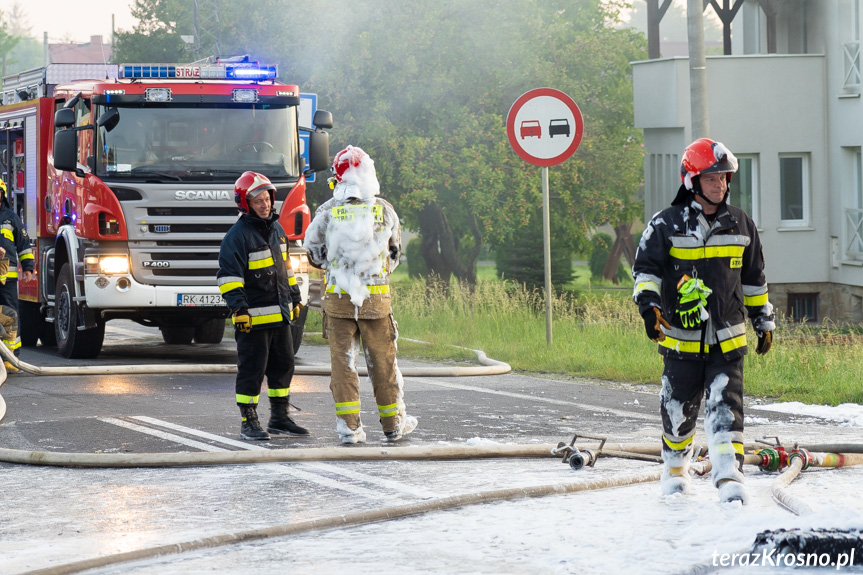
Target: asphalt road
(134, 413)
(52, 516)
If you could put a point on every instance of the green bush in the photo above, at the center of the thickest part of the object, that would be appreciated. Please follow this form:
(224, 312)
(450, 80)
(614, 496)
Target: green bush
(522, 261)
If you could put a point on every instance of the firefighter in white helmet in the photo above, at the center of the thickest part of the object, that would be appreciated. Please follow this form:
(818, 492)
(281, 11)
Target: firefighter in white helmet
(355, 237)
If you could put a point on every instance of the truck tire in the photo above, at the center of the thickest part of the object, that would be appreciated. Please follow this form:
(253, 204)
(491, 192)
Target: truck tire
(34, 328)
(178, 335)
(30, 323)
(72, 342)
(297, 329)
(211, 331)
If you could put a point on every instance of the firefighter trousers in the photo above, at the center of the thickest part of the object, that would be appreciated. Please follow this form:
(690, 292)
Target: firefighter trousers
(720, 381)
(377, 339)
(9, 298)
(264, 352)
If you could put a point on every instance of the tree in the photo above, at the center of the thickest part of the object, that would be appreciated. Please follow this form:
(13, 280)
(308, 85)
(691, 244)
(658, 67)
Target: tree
(519, 261)
(425, 87)
(8, 41)
(427, 95)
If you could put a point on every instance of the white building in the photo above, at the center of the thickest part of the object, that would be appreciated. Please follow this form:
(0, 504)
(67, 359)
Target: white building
(794, 119)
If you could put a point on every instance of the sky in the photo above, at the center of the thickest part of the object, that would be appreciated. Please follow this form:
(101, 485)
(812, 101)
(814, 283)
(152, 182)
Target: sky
(77, 22)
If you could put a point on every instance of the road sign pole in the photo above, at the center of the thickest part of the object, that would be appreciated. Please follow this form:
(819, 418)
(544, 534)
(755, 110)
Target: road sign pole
(532, 123)
(546, 249)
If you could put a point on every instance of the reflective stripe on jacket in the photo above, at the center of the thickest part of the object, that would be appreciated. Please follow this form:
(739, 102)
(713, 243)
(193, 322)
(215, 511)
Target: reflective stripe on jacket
(727, 256)
(16, 242)
(255, 271)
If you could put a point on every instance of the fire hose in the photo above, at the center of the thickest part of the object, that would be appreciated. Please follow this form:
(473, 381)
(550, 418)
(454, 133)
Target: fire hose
(487, 366)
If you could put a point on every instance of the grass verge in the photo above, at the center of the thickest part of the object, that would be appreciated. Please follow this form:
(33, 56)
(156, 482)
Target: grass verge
(600, 335)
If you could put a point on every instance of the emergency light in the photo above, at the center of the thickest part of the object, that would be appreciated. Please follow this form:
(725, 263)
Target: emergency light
(250, 71)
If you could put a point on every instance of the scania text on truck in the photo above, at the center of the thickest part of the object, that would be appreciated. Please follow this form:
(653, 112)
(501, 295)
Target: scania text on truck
(123, 177)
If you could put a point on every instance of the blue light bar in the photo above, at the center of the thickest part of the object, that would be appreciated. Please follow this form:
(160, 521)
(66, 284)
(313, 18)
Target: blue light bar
(218, 71)
(147, 71)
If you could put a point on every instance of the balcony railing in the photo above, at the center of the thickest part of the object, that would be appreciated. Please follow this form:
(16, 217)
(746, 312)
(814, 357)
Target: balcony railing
(854, 234)
(851, 66)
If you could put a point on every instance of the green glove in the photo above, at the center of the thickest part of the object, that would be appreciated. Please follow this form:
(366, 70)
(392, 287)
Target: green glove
(692, 303)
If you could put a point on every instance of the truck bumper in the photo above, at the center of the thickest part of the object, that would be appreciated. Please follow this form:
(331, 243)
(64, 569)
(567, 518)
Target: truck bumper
(107, 292)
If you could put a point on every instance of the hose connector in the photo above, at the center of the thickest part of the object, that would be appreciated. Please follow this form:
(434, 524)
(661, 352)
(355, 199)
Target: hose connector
(582, 457)
(803, 454)
(772, 459)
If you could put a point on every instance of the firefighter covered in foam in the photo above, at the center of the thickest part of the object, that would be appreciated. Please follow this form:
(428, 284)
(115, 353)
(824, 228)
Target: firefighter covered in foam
(699, 271)
(355, 237)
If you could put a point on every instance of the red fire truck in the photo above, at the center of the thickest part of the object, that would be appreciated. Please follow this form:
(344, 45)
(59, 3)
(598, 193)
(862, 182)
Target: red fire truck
(123, 177)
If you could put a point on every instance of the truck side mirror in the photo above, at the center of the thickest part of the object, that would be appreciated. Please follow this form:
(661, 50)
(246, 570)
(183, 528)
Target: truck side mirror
(323, 119)
(66, 150)
(319, 150)
(64, 118)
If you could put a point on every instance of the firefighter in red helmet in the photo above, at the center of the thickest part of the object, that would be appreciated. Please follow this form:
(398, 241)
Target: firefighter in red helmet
(699, 272)
(355, 237)
(258, 285)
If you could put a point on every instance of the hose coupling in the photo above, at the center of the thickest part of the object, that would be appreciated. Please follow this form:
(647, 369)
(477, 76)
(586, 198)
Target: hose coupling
(803, 454)
(772, 458)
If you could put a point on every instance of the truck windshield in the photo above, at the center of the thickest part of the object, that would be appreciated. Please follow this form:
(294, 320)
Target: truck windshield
(203, 143)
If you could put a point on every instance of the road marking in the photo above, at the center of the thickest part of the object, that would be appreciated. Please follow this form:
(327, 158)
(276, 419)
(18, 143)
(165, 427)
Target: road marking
(161, 434)
(197, 432)
(597, 408)
(320, 466)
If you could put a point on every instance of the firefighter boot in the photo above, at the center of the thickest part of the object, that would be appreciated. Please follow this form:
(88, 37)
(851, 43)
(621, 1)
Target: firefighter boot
(251, 428)
(350, 436)
(406, 424)
(731, 490)
(279, 420)
(675, 474)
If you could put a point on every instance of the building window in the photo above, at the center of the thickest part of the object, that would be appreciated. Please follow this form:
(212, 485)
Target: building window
(803, 307)
(744, 192)
(849, 35)
(794, 189)
(854, 210)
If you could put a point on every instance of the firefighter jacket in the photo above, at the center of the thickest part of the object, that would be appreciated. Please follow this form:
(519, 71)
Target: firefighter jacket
(358, 243)
(726, 256)
(255, 271)
(16, 242)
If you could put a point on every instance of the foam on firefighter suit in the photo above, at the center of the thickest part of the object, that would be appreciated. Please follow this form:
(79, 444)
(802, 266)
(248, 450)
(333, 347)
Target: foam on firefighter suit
(684, 382)
(372, 329)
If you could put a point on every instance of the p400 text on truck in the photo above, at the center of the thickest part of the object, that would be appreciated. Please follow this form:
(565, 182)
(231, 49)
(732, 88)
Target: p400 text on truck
(124, 182)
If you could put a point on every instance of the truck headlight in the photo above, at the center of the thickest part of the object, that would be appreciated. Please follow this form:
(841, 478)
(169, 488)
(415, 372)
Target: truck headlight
(106, 265)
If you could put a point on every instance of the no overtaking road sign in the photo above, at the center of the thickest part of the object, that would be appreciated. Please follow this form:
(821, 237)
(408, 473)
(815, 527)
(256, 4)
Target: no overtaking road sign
(544, 126)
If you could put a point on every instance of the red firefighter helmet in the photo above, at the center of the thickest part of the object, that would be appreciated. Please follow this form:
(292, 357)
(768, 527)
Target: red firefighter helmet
(704, 156)
(249, 185)
(350, 157)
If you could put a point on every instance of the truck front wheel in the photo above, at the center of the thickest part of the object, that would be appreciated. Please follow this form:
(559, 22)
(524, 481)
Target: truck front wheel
(211, 331)
(297, 329)
(72, 342)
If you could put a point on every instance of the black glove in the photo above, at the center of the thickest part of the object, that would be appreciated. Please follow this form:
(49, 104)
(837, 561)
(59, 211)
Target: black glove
(652, 321)
(295, 311)
(765, 341)
(241, 320)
